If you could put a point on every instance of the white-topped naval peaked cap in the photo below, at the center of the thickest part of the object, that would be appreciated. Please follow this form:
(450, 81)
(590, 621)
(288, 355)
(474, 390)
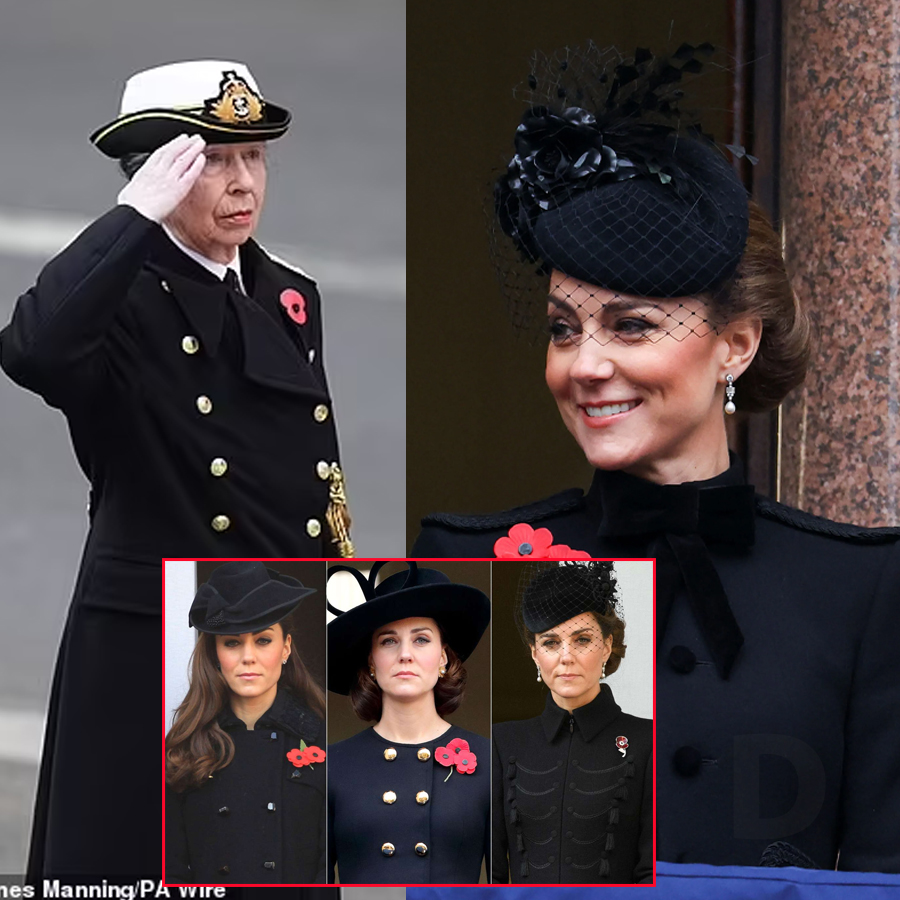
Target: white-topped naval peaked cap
(218, 99)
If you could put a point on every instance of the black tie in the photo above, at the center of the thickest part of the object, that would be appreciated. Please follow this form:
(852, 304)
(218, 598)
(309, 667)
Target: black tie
(231, 280)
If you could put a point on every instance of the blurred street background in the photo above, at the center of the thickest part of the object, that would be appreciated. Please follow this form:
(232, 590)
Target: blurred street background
(336, 206)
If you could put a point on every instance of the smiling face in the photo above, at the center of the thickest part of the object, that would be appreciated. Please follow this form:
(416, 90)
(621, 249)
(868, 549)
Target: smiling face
(407, 656)
(639, 382)
(570, 657)
(251, 663)
(223, 207)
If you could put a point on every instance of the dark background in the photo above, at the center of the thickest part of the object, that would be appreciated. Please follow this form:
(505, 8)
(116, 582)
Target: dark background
(483, 431)
(475, 712)
(308, 619)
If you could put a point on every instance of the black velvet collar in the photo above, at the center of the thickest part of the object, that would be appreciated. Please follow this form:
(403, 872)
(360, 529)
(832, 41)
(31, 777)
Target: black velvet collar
(679, 522)
(590, 719)
(286, 712)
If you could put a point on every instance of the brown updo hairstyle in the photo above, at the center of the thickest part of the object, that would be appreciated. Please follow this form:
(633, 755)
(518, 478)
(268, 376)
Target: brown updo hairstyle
(610, 624)
(196, 745)
(365, 695)
(761, 289)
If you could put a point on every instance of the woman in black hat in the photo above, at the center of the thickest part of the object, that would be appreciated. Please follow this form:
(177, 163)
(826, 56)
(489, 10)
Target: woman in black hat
(245, 768)
(408, 799)
(667, 306)
(573, 787)
(188, 363)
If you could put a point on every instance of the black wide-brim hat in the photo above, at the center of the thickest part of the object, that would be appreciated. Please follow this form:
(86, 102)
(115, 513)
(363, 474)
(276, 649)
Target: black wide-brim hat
(242, 597)
(216, 99)
(462, 612)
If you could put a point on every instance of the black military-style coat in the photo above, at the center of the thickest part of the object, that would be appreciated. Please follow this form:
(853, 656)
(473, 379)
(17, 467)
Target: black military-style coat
(261, 818)
(792, 734)
(395, 817)
(201, 418)
(573, 796)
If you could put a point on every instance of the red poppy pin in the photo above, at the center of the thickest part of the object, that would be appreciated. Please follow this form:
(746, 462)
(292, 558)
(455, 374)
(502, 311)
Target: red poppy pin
(523, 541)
(622, 744)
(457, 753)
(295, 304)
(306, 756)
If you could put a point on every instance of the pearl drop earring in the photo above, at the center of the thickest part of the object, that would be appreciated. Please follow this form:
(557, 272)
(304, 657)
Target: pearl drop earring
(539, 679)
(729, 395)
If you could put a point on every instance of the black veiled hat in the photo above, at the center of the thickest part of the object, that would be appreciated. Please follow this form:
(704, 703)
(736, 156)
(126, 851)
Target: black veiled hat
(551, 593)
(462, 611)
(242, 597)
(613, 185)
(217, 99)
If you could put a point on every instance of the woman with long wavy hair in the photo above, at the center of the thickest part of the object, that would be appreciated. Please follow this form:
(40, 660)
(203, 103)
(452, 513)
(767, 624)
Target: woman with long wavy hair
(245, 777)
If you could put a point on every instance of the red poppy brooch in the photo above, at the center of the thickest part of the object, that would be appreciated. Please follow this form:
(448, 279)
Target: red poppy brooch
(523, 541)
(457, 753)
(306, 756)
(295, 305)
(622, 744)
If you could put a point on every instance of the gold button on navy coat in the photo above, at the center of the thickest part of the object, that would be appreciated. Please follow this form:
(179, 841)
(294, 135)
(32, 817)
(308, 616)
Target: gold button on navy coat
(441, 841)
(260, 819)
(776, 708)
(125, 334)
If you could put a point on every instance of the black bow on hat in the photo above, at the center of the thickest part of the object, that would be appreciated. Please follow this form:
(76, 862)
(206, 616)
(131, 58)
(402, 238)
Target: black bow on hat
(244, 597)
(462, 611)
(683, 517)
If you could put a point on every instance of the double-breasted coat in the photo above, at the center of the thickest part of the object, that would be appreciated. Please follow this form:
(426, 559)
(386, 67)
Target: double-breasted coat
(398, 815)
(778, 692)
(203, 421)
(261, 818)
(573, 796)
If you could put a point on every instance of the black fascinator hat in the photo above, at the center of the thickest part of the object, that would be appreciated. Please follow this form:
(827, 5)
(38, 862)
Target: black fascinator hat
(613, 185)
(462, 611)
(242, 597)
(551, 593)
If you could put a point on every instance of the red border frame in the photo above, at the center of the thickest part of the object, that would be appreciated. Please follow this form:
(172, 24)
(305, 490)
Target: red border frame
(326, 561)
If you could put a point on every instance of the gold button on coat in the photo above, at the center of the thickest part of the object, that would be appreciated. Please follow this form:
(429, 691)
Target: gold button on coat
(390, 753)
(389, 797)
(422, 798)
(221, 523)
(204, 404)
(320, 413)
(387, 849)
(313, 528)
(421, 849)
(218, 467)
(190, 344)
(424, 754)
(323, 470)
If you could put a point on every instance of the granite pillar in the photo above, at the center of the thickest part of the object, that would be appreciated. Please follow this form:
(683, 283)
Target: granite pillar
(840, 203)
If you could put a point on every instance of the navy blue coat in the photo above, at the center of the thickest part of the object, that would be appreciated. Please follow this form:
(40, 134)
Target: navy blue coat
(452, 826)
(800, 740)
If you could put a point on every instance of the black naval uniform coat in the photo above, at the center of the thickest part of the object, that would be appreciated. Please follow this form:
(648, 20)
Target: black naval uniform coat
(570, 806)
(164, 375)
(795, 734)
(261, 819)
(436, 831)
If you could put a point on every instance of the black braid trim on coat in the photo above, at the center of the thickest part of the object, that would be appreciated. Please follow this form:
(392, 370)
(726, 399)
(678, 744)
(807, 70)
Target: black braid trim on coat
(796, 518)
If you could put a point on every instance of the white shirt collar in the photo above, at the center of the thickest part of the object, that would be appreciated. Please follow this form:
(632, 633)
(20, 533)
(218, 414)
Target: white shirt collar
(217, 268)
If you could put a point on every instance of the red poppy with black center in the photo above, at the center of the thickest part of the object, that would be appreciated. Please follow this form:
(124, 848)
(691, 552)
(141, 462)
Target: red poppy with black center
(295, 305)
(314, 754)
(449, 755)
(466, 763)
(296, 757)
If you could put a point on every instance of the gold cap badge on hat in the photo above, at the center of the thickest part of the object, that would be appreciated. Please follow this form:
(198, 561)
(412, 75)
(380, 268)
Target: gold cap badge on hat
(236, 102)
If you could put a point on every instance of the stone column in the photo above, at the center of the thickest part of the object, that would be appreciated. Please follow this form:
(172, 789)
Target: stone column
(840, 434)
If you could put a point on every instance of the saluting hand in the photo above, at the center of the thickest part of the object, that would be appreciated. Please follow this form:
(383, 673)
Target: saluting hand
(166, 178)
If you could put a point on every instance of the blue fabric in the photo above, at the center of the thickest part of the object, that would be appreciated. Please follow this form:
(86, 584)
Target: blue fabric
(696, 882)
